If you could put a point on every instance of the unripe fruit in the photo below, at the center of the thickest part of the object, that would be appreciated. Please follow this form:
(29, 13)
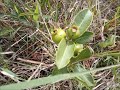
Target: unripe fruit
(78, 48)
(58, 35)
(73, 32)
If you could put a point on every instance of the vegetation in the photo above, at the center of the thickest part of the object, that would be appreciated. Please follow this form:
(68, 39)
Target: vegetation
(59, 44)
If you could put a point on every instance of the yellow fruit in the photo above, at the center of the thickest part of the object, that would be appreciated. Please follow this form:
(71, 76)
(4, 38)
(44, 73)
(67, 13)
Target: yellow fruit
(78, 48)
(73, 32)
(58, 35)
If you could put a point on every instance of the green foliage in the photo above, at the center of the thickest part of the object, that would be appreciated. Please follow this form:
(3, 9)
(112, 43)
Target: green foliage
(5, 31)
(117, 54)
(83, 20)
(84, 54)
(65, 50)
(109, 42)
(70, 49)
(64, 53)
(49, 79)
(9, 74)
(86, 37)
(86, 79)
(59, 71)
(16, 9)
(36, 13)
(108, 53)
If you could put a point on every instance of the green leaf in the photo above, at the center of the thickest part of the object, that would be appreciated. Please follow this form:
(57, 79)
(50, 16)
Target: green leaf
(108, 53)
(86, 37)
(83, 20)
(64, 53)
(36, 13)
(49, 79)
(9, 74)
(109, 42)
(26, 14)
(16, 9)
(84, 54)
(5, 31)
(59, 71)
(117, 54)
(86, 79)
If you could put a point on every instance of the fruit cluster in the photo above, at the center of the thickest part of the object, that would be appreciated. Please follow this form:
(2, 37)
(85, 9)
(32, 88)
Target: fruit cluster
(71, 34)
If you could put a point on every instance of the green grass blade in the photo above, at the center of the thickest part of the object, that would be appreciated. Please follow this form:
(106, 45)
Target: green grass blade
(49, 79)
(9, 73)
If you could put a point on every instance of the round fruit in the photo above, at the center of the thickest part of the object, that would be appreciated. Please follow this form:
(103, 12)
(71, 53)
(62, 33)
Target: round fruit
(73, 32)
(78, 48)
(58, 35)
